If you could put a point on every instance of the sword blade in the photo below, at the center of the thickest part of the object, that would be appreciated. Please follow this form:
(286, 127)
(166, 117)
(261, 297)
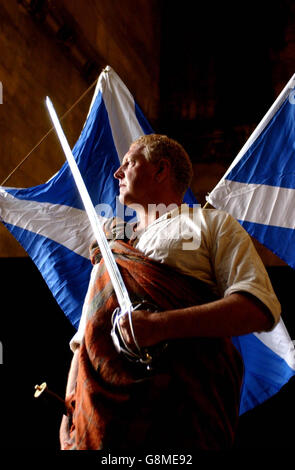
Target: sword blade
(111, 265)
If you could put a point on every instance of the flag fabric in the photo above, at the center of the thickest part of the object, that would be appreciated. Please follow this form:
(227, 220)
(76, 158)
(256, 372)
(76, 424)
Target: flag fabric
(258, 189)
(49, 220)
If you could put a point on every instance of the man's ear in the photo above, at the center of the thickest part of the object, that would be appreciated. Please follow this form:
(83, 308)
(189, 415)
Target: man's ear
(163, 170)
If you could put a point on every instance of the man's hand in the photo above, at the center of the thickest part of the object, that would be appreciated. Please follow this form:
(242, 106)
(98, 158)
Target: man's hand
(143, 327)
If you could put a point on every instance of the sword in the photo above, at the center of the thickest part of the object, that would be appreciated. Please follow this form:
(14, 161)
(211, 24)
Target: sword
(126, 307)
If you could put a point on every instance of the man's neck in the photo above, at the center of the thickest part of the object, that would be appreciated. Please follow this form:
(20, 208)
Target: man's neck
(147, 215)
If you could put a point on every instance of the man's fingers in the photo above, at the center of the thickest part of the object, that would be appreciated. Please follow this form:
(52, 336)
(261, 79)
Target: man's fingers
(125, 329)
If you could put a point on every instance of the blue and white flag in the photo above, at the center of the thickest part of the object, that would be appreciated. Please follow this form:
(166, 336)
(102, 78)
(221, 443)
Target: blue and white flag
(259, 191)
(49, 220)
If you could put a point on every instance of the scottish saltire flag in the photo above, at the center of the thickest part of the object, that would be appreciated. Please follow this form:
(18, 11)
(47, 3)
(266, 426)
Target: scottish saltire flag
(49, 220)
(259, 191)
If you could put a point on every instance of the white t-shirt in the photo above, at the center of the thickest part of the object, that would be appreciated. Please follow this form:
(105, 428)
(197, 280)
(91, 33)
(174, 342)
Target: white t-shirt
(209, 245)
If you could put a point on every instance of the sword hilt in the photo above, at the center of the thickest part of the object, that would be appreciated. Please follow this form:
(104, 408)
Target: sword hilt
(144, 356)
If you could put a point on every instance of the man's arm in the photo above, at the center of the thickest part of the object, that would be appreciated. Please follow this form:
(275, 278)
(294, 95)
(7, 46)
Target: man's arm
(70, 388)
(73, 372)
(235, 315)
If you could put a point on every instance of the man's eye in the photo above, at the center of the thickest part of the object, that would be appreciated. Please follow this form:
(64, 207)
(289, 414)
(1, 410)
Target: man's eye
(128, 163)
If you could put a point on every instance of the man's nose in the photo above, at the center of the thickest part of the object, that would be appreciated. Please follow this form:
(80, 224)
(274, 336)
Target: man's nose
(118, 173)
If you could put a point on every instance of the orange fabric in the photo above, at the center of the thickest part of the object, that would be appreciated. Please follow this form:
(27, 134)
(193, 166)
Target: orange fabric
(190, 400)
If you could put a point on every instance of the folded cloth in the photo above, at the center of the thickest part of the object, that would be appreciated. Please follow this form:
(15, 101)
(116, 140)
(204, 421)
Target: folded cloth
(189, 400)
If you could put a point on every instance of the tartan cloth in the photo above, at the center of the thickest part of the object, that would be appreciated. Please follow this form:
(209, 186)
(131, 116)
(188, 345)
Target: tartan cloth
(190, 400)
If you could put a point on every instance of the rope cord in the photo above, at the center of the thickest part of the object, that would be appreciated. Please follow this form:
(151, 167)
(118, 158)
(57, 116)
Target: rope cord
(47, 133)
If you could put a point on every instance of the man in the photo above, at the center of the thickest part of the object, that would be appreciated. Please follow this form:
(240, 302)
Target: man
(201, 270)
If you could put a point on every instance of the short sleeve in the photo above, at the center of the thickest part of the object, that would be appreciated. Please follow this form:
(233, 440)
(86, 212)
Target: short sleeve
(237, 265)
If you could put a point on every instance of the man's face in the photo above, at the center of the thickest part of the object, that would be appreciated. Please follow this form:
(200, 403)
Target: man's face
(136, 177)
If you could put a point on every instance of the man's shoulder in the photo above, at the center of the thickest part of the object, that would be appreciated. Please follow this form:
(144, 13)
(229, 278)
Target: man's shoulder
(211, 215)
(218, 215)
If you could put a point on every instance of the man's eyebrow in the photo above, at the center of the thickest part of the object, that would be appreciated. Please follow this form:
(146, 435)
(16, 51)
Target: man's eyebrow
(125, 160)
(130, 158)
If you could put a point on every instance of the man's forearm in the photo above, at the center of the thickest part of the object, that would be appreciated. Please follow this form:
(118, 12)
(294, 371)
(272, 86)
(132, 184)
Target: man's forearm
(235, 315)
